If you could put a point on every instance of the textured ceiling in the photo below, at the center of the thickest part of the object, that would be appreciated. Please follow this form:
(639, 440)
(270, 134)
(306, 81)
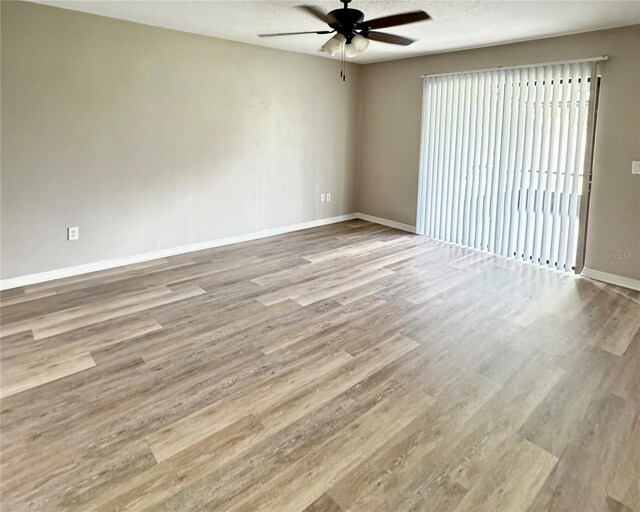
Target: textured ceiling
(455, 25)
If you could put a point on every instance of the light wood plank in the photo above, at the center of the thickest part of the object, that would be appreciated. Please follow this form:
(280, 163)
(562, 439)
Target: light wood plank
(36, 373)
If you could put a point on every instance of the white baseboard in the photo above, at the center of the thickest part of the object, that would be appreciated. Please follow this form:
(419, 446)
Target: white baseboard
(626, 282)
(40, 277)
(386, 222)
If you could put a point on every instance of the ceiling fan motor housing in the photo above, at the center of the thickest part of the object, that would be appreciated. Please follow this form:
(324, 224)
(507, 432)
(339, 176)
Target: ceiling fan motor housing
(347, 20)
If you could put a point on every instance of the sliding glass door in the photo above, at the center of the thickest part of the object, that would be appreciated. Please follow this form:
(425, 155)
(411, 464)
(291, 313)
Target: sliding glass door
(503, 159)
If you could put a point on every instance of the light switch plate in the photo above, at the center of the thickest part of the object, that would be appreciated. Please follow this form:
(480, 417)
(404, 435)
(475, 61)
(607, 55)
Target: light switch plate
(635, 167)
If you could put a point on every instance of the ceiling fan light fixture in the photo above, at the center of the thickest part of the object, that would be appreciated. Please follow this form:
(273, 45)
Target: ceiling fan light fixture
(334, 45)
(357, 45)
(360, 43)
(350, 50)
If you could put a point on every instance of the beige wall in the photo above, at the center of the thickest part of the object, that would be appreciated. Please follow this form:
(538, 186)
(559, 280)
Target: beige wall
(388, 177)
(149, 138)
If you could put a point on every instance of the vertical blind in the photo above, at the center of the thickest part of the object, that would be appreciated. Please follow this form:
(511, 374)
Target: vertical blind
(502, 161)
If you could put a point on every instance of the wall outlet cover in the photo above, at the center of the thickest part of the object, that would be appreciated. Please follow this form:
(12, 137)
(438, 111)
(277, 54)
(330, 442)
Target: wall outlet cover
(328, 196)
(73, 233)
(322, 198)
(635, 167)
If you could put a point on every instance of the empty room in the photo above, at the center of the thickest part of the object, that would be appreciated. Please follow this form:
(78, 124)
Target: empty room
(348, 255)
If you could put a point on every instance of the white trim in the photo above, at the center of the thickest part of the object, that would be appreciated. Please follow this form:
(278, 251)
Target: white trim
(386, 222)
(626, 282)
(15, 282)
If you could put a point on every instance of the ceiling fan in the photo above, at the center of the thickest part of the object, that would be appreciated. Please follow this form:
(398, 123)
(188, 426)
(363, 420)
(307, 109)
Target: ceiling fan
(353, 33)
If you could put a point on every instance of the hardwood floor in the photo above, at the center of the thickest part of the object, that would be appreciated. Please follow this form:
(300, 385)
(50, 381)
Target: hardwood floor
(351, 367)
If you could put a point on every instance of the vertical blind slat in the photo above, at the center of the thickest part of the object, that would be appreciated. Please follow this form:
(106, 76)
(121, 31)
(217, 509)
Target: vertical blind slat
(579, 156)
(434, 156)
(439, 167)
(517, 164)
(554, 219)
(562, 217)
(490, 160)
(468, 218)
(503, 168)
(524, 164)
(534, 166)
(448, 167)
(549, 158)
(464, 180)
(453, 233)
(429, 151)
(495, 181)
(482, 160)
(423, 180)
(477, 161)
(545, 136)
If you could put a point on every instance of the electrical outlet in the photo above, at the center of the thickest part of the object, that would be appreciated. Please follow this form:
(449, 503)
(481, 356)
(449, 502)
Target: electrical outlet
(635, 167)
(328, 196)
(322, 198)
(73, 233)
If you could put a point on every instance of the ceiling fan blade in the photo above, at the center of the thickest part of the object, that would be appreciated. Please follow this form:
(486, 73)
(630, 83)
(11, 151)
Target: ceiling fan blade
(395, 20)
(296, 33)
(317, 13)
(389, 38)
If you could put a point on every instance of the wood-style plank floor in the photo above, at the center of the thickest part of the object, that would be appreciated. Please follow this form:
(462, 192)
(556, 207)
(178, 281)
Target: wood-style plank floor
(351, 367)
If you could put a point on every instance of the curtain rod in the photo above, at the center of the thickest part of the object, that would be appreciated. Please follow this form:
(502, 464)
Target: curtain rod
(498, 68)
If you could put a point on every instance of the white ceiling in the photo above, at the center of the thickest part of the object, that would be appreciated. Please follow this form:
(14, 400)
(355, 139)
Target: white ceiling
(456, 24)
